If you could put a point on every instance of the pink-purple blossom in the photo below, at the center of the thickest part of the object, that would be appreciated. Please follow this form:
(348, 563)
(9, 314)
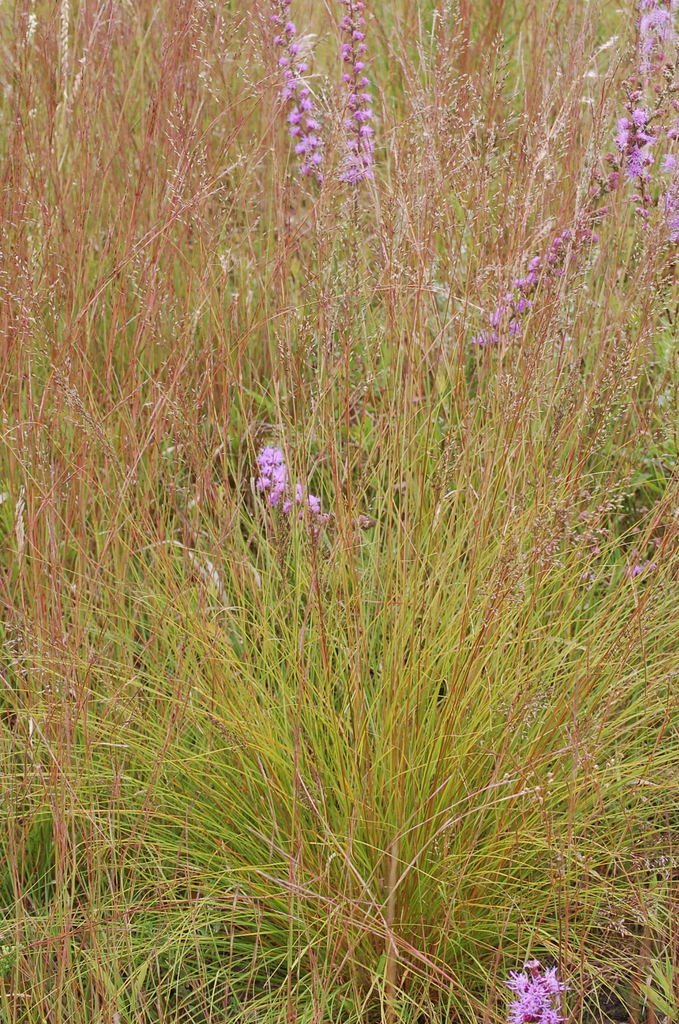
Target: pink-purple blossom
(360, 144)
(303, 122)
(651, 122)
(510, 310)
(274, 482)
(670, 198)
(640, 567)
(273, 474)
(537, 993)
(657, 32)
(634, 139)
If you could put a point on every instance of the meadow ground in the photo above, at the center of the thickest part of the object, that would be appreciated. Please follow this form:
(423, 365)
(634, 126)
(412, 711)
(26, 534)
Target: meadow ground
(339, 662)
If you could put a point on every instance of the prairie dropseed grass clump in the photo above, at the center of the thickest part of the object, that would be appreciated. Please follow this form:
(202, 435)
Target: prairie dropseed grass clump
(343, 726)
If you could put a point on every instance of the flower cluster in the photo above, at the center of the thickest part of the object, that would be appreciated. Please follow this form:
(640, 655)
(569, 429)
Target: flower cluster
(274, 482)
(634, 139)
(359, 162)
(657, 32)
(650, 126)
(638, 568)
(273, 474)
(537, 992)
(670, 201)
(303, 124)
(506, 318)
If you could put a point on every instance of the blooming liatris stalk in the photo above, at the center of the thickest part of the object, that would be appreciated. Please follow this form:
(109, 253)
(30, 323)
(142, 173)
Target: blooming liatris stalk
(670, 199)
(359, 161)
(657, 32)
(637, 568)
(507, 317)
(274, 482)
(537, 992)
(650, 123)
(303, 124)
(273, 474)
(634, 140)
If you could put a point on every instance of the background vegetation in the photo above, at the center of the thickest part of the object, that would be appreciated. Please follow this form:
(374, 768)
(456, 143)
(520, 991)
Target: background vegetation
(253, 771)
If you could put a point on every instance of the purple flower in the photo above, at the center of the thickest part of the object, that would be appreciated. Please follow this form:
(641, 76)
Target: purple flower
(536, 993)
(649, 119)
(657, 31)
(273, 474)
(507, 317)
(359, 158)
(670, 198)
(274, 481)
(640, 567)
(485, 339)
(633, 140)
(303, 124)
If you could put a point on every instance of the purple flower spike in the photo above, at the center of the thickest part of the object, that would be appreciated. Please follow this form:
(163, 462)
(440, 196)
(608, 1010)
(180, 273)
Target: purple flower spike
(640, 567)
(647, 126)
(506, 320)
(657, 31)
(273, 474)
(537, 990)
(303, 124)
(670, 198)
(274, 482)
(633, 140)
(359, 158)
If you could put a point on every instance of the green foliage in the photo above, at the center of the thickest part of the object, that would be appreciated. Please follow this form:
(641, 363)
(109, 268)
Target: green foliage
(662, 992)
(253, 771)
